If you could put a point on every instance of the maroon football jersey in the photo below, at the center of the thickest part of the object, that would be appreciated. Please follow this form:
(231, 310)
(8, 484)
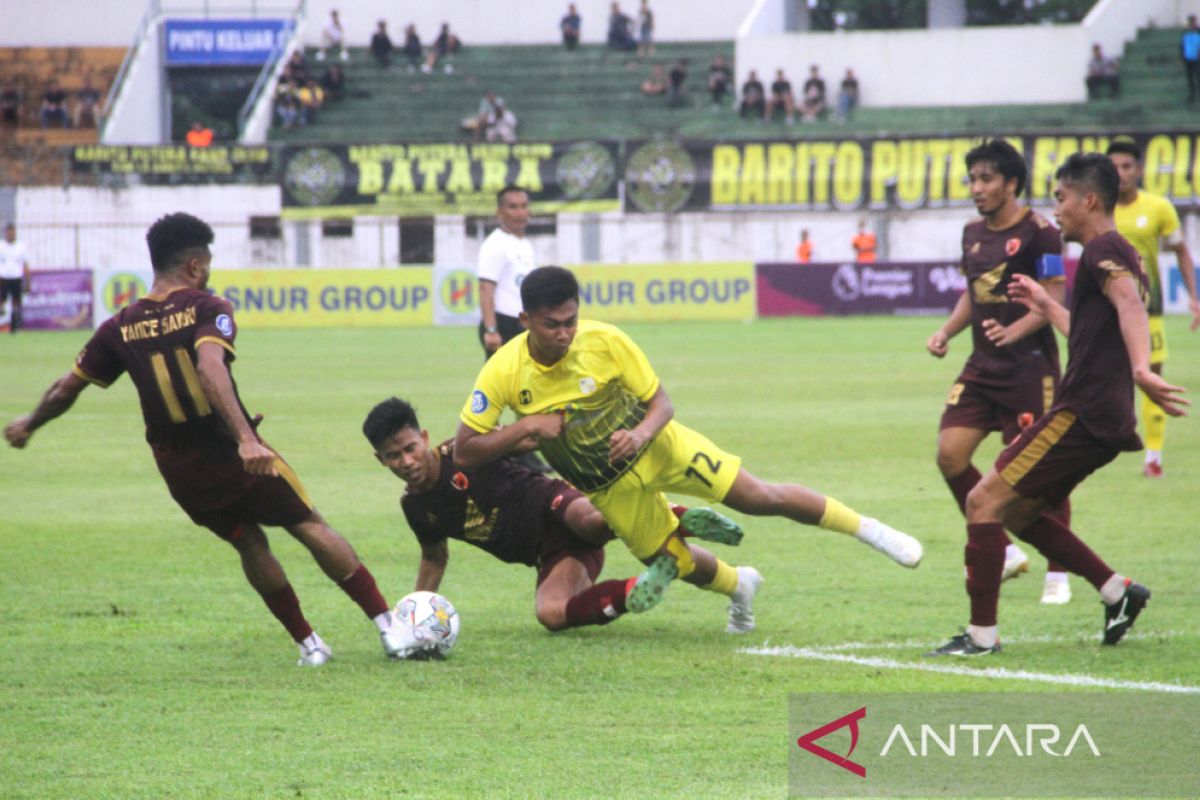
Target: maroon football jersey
(990, 259)
(503, 508)
(1098, 384)
(155, 341)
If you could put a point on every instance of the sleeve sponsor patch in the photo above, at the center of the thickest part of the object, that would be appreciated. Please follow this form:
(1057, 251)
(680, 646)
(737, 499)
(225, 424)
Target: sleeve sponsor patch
(479, 402)
(224, 324)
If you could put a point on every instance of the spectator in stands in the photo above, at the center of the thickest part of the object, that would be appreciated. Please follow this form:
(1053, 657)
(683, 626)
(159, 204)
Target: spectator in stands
(10, 105)
(719, 78)
(332, 35)
(477, 123)
(87, 104)
(619, 36)
(295, 69)
(1102, 71)
(1189, 52)
(804, 250)
(413, 49)
(656, 84)
(676, 78)
(814, 96)
(570, 25)
(381, 45)
(864, 244)
(312, 98)
(334, 82)
(501, 124)
(847, 96)
(753, 97)
(445, 44)
(199, 135)
(781, 97)
(645, 30)
(54, 106)
(287, 105)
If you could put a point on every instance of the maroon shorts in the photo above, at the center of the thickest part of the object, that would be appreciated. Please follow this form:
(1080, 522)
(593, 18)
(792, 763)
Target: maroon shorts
(996, 408)
(210, 484)
(559, 542)
(1051, 457)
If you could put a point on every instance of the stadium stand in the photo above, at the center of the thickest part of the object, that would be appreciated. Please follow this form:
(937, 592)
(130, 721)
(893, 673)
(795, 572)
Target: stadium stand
(31, 68)
(594, 93)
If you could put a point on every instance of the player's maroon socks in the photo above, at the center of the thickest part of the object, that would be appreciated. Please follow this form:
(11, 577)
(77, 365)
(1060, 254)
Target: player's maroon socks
(598, 605)
(1059, 545)
(1061, 514)
(362, 590)
(679, 511)
(286, 607)
(985, 564)
(962, 484)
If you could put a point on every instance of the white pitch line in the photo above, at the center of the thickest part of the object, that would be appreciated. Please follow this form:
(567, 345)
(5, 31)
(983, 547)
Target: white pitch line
(988, 672)
(913, 644)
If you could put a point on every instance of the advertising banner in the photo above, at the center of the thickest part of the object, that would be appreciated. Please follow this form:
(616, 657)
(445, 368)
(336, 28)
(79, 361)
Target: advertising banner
(222, 43)
(849, 174)
(327, 298)
(174, 163)
(455, 296)
(450, 178)
(58, 300)
(114, 288)
(658, 292)
(881, 288)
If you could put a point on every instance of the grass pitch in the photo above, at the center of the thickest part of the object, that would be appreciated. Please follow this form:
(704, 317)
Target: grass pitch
(139, 664)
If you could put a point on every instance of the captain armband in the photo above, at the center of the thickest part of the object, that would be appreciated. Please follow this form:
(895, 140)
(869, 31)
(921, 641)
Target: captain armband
(1049, 266)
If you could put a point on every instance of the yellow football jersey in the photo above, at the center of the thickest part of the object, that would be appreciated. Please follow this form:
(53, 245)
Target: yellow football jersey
(1144, 222)
(601, 386)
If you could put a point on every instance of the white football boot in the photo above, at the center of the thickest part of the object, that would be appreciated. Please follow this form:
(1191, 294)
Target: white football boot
(741, 611)
(313, 652)
(900, 547)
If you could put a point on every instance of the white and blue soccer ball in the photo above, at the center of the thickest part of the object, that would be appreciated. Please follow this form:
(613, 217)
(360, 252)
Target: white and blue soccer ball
(432, 618)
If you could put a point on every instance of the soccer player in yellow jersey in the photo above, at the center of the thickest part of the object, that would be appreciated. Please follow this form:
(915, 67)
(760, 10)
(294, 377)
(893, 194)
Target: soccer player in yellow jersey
(1144, 219)
(587, 397)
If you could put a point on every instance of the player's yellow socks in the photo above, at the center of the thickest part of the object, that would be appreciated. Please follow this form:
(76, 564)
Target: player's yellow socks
(682, 555)
(1154, 421)
(839, 517)
(725, 582)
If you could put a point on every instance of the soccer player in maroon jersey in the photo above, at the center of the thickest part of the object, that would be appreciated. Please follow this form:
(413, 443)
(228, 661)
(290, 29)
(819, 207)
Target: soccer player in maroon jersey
(1090, 422)
(177, 346)
(1013, 369)
(519, 516)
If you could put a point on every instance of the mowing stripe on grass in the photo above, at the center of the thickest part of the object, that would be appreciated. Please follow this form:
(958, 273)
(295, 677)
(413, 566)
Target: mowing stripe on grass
(988, 672)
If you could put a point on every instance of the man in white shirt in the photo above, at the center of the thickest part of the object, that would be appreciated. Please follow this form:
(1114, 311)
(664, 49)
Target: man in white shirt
(14, 273)
(333, 36)
(504, 260)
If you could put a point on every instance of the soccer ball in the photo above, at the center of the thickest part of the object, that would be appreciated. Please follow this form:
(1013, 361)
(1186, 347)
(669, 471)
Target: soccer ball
(432, 618)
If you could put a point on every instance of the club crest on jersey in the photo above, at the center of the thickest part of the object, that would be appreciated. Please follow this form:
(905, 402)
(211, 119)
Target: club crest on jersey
(556, 502)
(587, 385)
(479, 402)
(975, 248)
(1012, 246)
(1142, 221)
(459, 481)
(526, 397)
(225, 324)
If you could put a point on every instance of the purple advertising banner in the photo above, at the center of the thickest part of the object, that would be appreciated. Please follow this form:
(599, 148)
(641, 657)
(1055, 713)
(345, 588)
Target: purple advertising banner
(908, 288)
(58, 300)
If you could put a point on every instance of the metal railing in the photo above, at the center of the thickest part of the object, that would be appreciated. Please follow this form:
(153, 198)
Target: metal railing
(270, 70)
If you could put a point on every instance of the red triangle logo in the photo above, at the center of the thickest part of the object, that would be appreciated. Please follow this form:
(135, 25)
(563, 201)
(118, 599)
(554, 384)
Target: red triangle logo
(808, 741)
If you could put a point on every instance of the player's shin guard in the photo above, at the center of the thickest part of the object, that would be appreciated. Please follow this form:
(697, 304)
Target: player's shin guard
(962, 484)
(985, 565)
(1154, 422)
(840, 517)
(599, 605)
(725, 582)
(1059, 544)
(361, 588)
(284, 604)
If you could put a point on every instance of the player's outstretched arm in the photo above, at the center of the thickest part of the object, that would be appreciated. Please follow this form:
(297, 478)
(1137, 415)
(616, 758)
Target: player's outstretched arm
(1031, 294)
(938, 343)
(257, 458)
(626, 443)
(1135, 331)
(473, 449)
(434, 558)
(54, 403)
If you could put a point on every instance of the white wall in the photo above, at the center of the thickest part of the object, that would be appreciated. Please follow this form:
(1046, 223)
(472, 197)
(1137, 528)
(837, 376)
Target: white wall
(136, 115)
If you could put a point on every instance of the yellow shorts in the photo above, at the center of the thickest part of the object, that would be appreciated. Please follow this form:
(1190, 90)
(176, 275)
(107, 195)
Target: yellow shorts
(678, 460)
(1158, 340)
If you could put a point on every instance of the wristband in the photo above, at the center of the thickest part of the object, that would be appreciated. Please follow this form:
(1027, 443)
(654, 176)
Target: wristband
(490, 329)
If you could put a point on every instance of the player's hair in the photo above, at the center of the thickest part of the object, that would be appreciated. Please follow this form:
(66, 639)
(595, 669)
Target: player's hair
(1092, 172)
(512, 187)
(1004, 157)
(548, 287)
(1126, 145)
(387, 418)
(176, 238)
